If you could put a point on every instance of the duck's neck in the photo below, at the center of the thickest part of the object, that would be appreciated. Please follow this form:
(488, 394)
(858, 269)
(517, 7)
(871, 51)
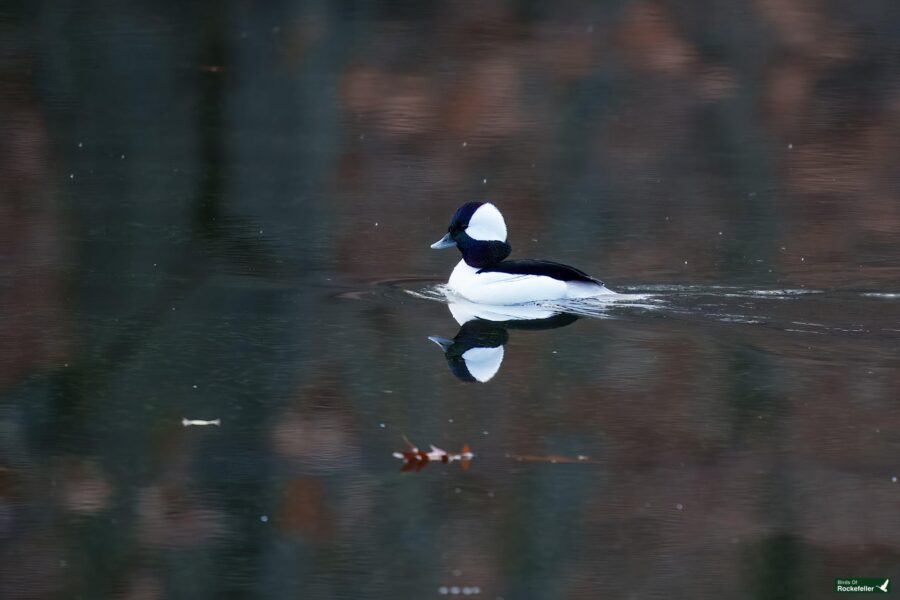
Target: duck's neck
(481, 254)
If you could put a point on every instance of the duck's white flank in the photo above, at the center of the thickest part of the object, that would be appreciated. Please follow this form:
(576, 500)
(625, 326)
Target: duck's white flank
(464, 310)
(507, 288)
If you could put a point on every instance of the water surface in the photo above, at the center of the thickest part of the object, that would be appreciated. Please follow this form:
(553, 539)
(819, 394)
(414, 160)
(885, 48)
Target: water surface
(224, 212)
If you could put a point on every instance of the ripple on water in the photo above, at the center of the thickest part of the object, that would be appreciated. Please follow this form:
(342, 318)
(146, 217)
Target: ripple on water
(598, 306)
(780, 309)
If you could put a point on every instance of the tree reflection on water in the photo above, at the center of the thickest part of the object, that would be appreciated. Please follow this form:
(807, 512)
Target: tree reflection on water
(187, 195)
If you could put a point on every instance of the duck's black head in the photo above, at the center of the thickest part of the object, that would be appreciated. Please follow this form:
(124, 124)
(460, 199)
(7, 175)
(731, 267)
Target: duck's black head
(478, 230)
(475, 354)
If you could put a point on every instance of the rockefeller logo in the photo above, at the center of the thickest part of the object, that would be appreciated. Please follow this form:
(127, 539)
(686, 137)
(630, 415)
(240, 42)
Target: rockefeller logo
(863, 585)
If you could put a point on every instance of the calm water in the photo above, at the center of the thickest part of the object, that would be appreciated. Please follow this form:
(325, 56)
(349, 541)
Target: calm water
(223, 213)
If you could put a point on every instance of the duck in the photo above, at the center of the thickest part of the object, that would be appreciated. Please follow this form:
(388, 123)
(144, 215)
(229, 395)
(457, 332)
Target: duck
(476, 352)
(484, 275)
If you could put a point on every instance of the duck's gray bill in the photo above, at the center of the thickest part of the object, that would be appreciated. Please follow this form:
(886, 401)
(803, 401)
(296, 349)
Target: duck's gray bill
(444, 343)
(444, 242)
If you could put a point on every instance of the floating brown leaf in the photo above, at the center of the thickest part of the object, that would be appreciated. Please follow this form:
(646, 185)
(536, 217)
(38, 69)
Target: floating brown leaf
(415, 459)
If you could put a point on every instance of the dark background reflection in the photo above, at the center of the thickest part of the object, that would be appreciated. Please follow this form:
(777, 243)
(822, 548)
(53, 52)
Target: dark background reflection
(196, 203)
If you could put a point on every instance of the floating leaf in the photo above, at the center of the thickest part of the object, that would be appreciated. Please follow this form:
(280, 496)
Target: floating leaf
(415, 459)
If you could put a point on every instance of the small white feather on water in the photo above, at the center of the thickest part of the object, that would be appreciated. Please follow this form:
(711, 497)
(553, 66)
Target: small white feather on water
(200, 422)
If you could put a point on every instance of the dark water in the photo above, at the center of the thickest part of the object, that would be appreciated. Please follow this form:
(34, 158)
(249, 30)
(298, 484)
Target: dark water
(217, 211)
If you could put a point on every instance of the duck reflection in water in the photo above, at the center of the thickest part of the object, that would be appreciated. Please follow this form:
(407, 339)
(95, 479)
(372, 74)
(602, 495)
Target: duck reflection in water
(476, 353)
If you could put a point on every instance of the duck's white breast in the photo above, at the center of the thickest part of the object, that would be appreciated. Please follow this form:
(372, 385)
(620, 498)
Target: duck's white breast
(506, 288)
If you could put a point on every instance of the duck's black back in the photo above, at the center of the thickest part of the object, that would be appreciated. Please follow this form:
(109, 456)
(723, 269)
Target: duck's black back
(543, 268)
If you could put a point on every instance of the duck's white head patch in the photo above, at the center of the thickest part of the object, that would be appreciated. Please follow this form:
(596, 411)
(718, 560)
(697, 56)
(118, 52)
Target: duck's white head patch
(483, 363)
(487, 224)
